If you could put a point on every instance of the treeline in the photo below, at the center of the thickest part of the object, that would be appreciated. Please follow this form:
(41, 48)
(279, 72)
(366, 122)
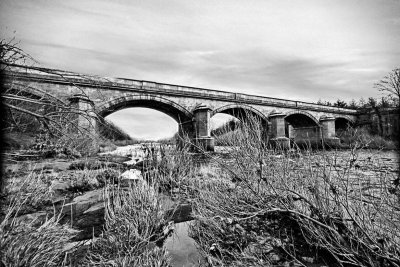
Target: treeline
(228, 126)
(383, 102)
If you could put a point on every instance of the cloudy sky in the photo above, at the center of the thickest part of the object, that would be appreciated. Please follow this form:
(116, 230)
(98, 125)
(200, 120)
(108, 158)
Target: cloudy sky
(294, 49)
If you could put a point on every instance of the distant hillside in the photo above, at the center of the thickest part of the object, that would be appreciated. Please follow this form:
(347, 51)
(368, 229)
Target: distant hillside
(112, 132)
(227, 127)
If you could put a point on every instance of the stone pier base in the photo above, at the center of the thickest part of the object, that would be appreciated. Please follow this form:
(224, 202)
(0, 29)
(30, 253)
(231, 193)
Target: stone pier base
(332, 142)
(280, 142)
(205, 143)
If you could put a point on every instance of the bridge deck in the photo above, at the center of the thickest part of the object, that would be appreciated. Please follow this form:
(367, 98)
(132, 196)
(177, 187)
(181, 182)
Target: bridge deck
(63, 77)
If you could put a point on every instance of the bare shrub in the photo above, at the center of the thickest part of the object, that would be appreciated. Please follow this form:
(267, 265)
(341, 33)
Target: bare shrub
(362, 138)
(291, 206)
(134, 226)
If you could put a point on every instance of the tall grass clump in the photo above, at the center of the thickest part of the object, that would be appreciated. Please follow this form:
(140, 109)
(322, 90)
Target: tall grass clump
(135, 226)
(296, 207)
(37, 242)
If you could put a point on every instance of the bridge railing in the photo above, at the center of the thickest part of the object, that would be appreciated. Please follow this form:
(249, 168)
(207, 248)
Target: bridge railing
(132, 84)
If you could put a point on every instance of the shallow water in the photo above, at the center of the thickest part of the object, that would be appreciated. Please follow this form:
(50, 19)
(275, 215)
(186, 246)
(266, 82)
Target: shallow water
(182, 248)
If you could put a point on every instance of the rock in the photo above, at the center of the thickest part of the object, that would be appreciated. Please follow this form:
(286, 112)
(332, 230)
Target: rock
(77, 244)
(99, 207)
(274, 258)
(91, 222)
(85, 201)
(308, 259)
(61, 156)
(181, 213)
(59, 200)
(36, 219)
(131, 176)
(119, 159)
(60, 187)
(115, 158)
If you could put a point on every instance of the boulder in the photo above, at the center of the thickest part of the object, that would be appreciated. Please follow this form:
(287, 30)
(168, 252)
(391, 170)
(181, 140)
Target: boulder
(130, 177)
(85, 201)
(91, 222)
(60, 187)
(35, 219)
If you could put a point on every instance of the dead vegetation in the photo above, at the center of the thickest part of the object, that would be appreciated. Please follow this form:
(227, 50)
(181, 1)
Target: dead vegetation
(297, 207)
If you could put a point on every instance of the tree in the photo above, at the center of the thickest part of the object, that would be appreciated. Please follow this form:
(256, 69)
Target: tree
(385, 103)
(390, 84)
(353, 104)
(35, 110)
(362, 103)
(374, 105)
(340, 104)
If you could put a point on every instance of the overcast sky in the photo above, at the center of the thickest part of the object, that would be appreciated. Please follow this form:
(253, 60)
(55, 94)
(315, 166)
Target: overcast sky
(302, 50)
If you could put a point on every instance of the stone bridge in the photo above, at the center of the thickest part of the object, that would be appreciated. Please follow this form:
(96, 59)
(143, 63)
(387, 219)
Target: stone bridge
(190, 107)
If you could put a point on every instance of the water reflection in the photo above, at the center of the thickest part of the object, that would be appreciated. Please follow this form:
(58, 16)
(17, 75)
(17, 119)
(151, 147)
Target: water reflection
(182, 248)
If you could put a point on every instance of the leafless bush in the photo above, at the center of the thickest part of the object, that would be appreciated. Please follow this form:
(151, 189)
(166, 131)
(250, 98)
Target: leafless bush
(135, 224)
(33, 110)
(361, 137)
(295, 205)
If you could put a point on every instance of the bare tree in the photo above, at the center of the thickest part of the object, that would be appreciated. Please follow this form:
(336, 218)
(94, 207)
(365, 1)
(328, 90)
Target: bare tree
(390, 84)
(28, 107)
(10, 53)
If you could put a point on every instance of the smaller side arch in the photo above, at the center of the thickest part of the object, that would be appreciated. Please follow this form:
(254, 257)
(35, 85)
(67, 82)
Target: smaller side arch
(342, 124)
(345, 117)
(305, 118)
(236, 109)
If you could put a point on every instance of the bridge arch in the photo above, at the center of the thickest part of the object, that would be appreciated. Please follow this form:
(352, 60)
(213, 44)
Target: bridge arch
(301, 118)
(240, 111)
(343, 119)
(177, 112)
(342, 123)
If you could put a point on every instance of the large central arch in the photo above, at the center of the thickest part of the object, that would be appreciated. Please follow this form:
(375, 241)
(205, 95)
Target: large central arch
(174, 110)
(181, 115)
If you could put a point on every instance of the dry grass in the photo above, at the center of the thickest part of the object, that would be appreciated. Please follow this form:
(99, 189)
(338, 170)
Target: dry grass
(135, 225)
(295, 205)
(27, 243)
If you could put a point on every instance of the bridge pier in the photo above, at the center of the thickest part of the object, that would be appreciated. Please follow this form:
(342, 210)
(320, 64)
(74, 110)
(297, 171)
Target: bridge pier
(82, 104)
(278, 137)
(328, 131)
(306, 136)
(85, 122)
(203, 137)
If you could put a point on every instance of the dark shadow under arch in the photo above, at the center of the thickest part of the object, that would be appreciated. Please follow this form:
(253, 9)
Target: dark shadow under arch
(343, 123)
(300, 119)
